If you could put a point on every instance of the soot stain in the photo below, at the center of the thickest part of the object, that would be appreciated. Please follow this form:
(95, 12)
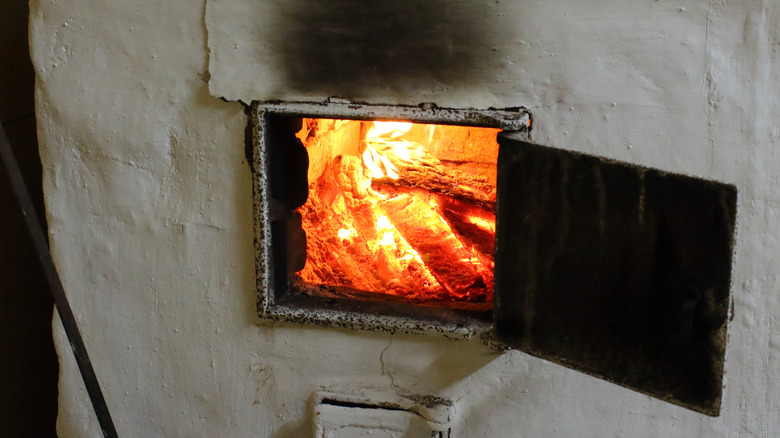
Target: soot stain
(350, 47)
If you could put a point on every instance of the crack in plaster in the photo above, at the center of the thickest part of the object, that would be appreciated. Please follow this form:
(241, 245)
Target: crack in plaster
(382, 364)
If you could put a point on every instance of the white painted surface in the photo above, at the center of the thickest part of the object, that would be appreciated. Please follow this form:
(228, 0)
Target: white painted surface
(148, 197)
(343, 422)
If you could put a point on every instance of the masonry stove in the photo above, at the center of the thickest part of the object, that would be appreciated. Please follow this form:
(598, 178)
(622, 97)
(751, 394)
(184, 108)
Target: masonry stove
(422, 219)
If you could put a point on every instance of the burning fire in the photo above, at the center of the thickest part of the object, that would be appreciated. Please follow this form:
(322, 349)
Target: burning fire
(390, 217)
(394, 129)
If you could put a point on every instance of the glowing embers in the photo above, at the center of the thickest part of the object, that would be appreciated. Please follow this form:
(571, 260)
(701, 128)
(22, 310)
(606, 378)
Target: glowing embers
(402, 209)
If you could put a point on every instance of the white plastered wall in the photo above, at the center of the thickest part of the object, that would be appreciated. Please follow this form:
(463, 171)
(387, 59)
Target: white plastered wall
(149, 206)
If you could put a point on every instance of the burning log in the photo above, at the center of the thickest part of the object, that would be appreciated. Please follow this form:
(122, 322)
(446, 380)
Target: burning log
(428, 173)
(438, 185)
(453, 265)
(475, 227)
(353, 236)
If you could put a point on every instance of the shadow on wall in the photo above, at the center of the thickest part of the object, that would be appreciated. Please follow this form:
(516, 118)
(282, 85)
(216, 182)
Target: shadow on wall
(352, 47)
(28, 362)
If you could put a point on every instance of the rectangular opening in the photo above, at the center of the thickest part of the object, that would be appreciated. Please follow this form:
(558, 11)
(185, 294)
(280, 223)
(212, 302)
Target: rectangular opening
(386, 216)
(399, 209)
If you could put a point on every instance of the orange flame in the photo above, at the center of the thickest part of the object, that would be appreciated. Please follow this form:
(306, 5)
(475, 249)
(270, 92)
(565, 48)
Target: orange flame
(388, 129)
(345, 233)
(378, 165)
(395, 240)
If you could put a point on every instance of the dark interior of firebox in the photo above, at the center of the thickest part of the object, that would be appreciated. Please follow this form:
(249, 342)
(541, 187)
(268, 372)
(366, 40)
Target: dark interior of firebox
(383, 216)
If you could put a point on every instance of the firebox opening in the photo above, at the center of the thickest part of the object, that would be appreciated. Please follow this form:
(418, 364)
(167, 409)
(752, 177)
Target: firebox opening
(395, 211)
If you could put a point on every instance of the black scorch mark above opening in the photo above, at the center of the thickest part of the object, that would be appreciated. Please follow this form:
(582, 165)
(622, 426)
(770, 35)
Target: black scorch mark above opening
(351, 47)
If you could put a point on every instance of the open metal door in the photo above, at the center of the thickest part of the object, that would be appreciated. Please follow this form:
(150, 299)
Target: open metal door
(615, 270)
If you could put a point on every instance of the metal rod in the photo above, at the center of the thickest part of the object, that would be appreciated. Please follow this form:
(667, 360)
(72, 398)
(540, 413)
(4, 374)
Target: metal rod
(55, 286)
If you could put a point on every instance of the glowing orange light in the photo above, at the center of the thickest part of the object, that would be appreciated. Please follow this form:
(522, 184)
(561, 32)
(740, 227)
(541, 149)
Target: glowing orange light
(345, 234)
(383, 223)
(389, 129)
(483, 223)
(387, 240)
(398, 237)
(378, 165)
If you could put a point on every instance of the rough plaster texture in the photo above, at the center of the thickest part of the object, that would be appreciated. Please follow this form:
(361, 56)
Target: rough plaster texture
(149, 197)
